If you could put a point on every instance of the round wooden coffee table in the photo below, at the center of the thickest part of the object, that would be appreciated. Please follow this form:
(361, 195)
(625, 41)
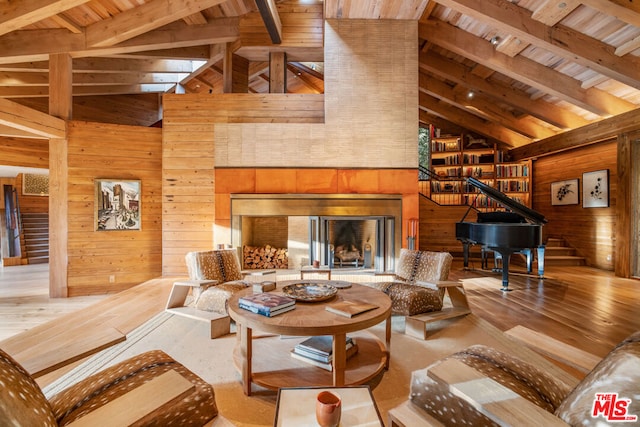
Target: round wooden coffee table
(266, 360)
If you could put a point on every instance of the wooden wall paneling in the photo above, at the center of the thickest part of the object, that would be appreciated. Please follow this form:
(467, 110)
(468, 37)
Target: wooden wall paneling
(437, 230)
(188, 183)
(110, 261)
(246, 108)
(33, 153)
(591, 231)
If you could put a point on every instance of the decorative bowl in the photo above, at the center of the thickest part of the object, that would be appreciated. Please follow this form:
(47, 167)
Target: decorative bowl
(309, 291)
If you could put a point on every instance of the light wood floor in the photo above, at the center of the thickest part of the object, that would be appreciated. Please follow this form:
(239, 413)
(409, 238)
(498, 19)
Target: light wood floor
(588, 308)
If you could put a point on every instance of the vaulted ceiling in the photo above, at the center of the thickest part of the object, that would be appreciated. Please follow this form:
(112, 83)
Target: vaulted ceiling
(516, 71)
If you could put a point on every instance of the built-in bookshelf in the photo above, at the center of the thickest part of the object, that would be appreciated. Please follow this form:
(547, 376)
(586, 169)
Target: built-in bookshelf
(453, 158)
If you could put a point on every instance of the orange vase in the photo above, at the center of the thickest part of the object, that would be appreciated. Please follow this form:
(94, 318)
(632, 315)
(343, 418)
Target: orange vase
(328, 409)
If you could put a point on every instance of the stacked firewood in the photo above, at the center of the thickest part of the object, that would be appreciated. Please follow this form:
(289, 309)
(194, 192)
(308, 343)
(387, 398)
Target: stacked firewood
(259, 257)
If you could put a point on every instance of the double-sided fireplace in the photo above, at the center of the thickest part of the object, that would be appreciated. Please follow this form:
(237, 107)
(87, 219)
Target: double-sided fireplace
(341, 231)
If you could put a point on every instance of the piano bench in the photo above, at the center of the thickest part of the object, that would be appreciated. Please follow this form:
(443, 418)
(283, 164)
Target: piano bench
(416, 325)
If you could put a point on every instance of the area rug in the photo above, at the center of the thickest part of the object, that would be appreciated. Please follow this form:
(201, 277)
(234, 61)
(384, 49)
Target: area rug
(188, 341)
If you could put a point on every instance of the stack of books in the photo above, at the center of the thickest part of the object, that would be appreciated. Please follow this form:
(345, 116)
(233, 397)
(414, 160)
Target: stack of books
(318, 351)
(267, 304)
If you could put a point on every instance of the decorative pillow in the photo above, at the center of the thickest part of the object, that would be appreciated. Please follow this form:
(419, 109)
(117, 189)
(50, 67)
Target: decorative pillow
(616, 377)
(22, 403)
(221, 265)
(216, 298)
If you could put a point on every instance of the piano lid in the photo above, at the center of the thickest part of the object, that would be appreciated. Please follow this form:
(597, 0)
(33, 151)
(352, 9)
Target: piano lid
(507, 202)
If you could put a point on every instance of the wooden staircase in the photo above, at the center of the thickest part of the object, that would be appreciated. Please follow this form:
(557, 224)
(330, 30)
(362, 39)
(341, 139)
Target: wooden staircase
(557, 253)
(35, 238)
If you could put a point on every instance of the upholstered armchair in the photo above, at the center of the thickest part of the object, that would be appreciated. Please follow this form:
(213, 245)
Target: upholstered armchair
(148, 389)
(418, 287)
(222, 266)
(483, 386)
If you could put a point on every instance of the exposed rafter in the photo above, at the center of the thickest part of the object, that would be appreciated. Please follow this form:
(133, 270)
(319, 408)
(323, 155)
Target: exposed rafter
(532, 73)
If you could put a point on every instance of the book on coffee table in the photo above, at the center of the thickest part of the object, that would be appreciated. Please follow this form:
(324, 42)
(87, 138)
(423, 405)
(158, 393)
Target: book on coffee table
(267, 300)
(321, 356)
(267, 304)
(352, 349)
(320, 344)
(266, 311)
(350, 308)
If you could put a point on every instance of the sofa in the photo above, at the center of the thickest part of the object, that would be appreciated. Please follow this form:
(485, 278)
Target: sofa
(147, 389)
(484, 386)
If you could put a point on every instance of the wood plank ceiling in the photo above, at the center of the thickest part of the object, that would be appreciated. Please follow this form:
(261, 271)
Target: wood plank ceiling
(516, 71)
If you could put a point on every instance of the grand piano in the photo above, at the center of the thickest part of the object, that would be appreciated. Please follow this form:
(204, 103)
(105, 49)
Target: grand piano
(519, 230)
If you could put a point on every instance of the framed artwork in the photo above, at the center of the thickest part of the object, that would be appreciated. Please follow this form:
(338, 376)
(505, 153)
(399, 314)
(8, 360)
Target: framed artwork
(595, 189)
(564, 192)
(35, 184)
(117, 205)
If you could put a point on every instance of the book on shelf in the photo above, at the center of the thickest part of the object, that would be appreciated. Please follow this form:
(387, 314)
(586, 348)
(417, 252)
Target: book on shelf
(350, 308)
(267, 301)
(328, 366)
(266, 311)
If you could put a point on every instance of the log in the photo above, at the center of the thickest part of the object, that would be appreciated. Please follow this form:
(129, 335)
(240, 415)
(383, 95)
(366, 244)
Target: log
(264, 257)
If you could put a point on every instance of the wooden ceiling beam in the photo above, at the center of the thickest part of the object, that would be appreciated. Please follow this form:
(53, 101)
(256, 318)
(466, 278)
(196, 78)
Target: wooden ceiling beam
(110, 79)
(560, 40)
(472, 122)
(551, 12)
(67, 23)
(142, 19)
(625, 10)
(591, 133)
(18, 14)
(28, 120)
(86, 90)
(37, 45)
(129, 65)
(10, 132)
(271, 18)
(482, 106)
(306, 79)
(186, 53)
(195, 19)
(461, 74)
(216, 54)
(424, 117)
(525, 70)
